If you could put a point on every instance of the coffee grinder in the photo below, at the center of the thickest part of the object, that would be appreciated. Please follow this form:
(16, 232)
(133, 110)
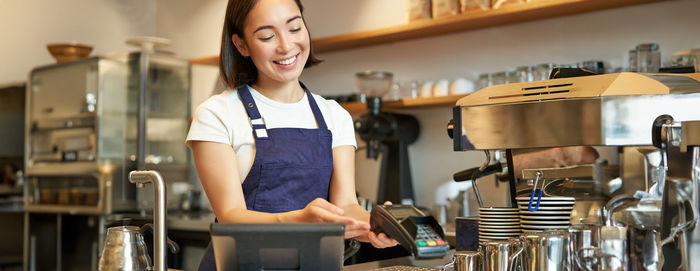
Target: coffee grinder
(388, 134)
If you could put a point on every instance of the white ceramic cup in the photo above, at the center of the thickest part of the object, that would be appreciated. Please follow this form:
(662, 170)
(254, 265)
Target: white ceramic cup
(441, 88)
(461, 86)
(426, 90)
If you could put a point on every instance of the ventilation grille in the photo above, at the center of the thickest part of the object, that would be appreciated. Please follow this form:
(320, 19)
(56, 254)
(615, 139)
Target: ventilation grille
(539, 93)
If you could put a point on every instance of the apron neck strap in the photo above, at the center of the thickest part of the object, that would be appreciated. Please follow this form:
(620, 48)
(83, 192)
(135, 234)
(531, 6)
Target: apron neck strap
(256, 121)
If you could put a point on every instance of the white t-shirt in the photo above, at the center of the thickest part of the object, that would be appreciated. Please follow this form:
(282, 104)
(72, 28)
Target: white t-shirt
(222, 118)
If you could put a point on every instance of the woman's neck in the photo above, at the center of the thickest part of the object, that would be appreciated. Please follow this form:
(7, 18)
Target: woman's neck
(287, 92)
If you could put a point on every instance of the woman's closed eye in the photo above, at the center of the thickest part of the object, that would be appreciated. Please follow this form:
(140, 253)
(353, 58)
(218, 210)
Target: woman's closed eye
(267, 38)
(295, 30)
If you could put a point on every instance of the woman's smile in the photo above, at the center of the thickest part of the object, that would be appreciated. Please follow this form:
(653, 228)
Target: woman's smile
(287, 63)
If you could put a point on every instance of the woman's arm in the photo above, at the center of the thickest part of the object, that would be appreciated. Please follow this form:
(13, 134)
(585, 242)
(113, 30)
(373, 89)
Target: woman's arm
(218, 171)
(342, 194)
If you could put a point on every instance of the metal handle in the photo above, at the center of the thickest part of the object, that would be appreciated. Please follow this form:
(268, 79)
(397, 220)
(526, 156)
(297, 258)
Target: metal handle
(159, 200)
(534, 188)
(675, 231)
(582, 260)
(613, 204)
(451, 263)
(476, 174)
(511, 258)
(353, 248)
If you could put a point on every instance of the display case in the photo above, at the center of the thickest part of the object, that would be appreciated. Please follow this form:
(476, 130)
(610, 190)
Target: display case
(90, 122)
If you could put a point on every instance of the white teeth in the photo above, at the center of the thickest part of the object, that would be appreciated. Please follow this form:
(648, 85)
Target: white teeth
(287, 61)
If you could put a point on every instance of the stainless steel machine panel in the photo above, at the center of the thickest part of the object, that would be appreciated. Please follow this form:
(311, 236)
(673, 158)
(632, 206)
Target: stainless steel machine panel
(592, 110)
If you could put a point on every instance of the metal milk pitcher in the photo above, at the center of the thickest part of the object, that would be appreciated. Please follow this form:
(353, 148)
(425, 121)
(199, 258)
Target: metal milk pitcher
(502, 255)
(546, 251)
(125, 249)
(465, 261)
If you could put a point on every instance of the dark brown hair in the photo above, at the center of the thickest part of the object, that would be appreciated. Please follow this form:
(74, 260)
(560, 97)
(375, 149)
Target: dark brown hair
(237, 70)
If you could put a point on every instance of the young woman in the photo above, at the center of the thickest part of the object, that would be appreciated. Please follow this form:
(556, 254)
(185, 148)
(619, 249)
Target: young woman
(269, 150)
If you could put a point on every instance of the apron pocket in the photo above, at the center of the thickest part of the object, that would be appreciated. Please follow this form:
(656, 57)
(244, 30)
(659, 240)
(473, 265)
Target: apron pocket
(286, 187)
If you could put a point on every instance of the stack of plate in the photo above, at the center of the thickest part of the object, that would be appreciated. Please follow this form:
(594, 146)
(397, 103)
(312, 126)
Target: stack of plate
(554, 213)
(498, 223)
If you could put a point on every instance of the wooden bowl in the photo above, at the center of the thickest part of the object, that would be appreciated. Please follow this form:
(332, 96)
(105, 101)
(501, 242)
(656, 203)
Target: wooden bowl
(63, 52)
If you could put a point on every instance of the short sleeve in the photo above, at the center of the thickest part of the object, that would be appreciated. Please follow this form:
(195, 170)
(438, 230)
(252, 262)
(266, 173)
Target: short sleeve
(209, 123)
(344, 129)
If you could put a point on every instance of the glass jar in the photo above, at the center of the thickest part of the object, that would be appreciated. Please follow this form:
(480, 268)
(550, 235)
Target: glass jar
(683, 59)
(524, 74)
(648, 57)
(542, 71)
(394, 93)
(632, 61)
(500, 78)
(410, 89)
(485, 80)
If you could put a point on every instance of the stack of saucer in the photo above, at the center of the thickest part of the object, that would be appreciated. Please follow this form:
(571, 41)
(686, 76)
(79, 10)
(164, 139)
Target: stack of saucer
(554, 213)
(498, 223)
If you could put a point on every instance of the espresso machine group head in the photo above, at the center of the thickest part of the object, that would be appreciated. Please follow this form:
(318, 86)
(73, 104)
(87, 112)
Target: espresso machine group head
(388, 134)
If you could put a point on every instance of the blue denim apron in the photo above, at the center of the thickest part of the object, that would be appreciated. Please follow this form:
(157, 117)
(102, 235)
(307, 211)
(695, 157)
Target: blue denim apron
(292, 166)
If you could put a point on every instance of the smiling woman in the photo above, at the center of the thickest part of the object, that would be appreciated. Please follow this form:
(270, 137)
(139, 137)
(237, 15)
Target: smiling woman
(268, 150)
(237, 66)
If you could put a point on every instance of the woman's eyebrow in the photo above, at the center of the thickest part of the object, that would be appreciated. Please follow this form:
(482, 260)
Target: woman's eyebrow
(293, 18)
(269, 26)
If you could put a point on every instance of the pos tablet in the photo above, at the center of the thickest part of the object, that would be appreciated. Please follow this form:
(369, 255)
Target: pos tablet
(303, 246)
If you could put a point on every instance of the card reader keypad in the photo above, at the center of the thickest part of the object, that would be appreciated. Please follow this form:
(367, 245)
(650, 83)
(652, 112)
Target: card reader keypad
(426, 236)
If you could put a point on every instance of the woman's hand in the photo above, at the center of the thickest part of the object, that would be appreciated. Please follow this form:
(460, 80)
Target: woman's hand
(381, 240)
(322, 211)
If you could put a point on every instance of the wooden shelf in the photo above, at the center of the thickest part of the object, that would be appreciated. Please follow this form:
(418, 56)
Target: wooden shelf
(210, 60)
(509, 14)
(356, 108)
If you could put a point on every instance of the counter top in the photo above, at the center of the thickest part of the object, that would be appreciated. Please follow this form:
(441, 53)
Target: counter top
(402, 263)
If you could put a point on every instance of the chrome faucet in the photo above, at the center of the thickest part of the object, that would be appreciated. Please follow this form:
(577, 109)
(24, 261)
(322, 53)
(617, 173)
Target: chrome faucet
(140, 178)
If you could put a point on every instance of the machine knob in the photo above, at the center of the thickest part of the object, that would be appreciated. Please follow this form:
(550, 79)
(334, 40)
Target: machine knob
(450, 129)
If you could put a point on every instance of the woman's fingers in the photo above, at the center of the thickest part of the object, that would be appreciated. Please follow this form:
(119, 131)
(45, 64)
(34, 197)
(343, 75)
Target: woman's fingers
(322, 203)
(381, 240)
(386, 240)
(324, 215)
(355, 230)
(353, 227)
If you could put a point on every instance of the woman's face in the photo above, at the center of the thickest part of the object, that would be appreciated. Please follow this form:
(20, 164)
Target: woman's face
(276, 39)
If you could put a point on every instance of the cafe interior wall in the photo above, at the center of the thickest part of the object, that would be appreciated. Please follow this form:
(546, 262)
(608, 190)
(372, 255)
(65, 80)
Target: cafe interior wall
(26, 26)
(603, 35)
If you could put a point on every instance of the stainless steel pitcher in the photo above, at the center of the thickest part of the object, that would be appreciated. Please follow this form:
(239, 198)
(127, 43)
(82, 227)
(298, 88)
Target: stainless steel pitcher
(614, 248)
(501, 255)
(584, 247)
(125, 249)
(465, 261)
(546, 251)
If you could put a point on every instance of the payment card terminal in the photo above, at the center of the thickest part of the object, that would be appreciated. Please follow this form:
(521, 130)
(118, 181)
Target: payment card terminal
(418, 233)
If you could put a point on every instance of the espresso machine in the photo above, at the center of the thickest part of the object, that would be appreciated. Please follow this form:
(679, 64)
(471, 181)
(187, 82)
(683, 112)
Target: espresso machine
(647, 205)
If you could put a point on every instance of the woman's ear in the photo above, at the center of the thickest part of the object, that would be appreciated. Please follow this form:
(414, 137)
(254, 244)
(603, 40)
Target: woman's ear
(240, 45)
